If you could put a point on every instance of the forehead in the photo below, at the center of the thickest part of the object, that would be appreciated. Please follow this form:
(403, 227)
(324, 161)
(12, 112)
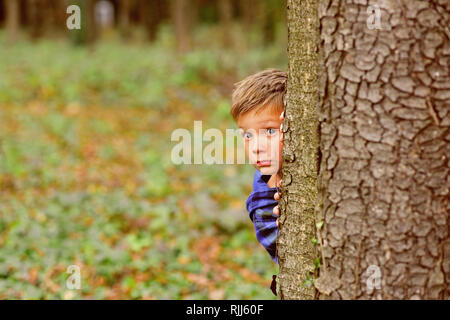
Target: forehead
(254, 119)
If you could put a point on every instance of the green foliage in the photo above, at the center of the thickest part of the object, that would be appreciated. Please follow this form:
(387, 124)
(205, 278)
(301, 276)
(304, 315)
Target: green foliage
(319, 224)
(309, 281)
(114, 74)
(87, 180)
(316, 263)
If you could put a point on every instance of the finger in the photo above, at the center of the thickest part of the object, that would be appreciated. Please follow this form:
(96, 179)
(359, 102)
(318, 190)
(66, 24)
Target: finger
(280, 183)
(278, 224)
(277, 196)
(276, 211)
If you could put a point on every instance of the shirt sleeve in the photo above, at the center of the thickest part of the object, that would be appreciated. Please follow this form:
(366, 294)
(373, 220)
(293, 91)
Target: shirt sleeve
(266, 231)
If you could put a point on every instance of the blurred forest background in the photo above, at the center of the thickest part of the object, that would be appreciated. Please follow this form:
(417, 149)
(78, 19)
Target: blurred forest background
(85, 171)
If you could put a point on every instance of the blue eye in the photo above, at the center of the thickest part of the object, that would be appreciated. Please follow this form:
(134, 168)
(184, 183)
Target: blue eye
(271, 131)
(247, 135)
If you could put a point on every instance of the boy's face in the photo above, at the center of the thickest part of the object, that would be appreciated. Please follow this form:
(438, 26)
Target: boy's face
(261, 133)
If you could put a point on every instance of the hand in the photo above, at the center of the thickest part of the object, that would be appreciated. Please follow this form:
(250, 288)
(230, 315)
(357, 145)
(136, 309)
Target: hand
(277, 195)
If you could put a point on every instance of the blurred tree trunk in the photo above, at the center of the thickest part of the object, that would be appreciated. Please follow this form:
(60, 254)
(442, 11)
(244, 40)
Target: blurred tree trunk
(12, 19)
(152, 13)
(35, 17)
(124, 17)
(41, 16)
(90, 21)
(384, 116)
(269, 20)
(58, 16)
(88, 32)
(184, 14)
(250, 12)
(226, 16)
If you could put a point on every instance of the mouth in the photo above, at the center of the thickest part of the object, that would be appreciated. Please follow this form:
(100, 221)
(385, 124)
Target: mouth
(263, 163)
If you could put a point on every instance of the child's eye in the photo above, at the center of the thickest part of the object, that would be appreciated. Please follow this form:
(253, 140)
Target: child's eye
(247, 135)
(271, 131)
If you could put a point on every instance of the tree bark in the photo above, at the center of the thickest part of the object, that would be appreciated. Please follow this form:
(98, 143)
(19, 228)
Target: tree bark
(12, 19)
(300, 154)
(384, 114)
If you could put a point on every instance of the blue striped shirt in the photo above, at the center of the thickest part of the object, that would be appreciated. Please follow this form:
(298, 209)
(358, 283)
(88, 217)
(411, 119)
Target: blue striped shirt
(260, 204)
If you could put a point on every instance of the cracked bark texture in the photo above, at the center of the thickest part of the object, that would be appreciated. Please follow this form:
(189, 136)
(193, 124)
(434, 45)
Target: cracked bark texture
(384, 114)
(296, 252)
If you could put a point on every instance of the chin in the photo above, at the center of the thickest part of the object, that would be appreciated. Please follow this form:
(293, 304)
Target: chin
(268, 170)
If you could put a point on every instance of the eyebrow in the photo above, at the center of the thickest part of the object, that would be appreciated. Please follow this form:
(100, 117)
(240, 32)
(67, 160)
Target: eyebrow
(261, 122)
(269, 120)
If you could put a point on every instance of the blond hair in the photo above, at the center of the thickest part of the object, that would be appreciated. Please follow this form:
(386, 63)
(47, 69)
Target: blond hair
(263, 89)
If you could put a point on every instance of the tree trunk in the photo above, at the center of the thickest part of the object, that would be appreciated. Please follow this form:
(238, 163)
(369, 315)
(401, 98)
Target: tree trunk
(226, 15)
(124, 17)
(183, 15)
(152, 14)
(300, 153)
(34, 11)
(269, 20)
(385, 142)
(384, 115)
(90, 21)
(88, 32)
(12, 19)
(59, 16)
(250, 12)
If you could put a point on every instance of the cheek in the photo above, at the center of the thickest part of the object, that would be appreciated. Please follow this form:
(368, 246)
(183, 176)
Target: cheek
(280, 152)
(276, 147)
(247, 148)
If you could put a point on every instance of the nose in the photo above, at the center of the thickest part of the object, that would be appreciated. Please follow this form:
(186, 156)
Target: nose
(258, 145)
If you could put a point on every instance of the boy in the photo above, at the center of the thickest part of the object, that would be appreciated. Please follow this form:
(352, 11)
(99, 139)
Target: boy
(257, 102)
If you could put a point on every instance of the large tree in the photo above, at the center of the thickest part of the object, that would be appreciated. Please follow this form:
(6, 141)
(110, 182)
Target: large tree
(377, 204)
(300, 153)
